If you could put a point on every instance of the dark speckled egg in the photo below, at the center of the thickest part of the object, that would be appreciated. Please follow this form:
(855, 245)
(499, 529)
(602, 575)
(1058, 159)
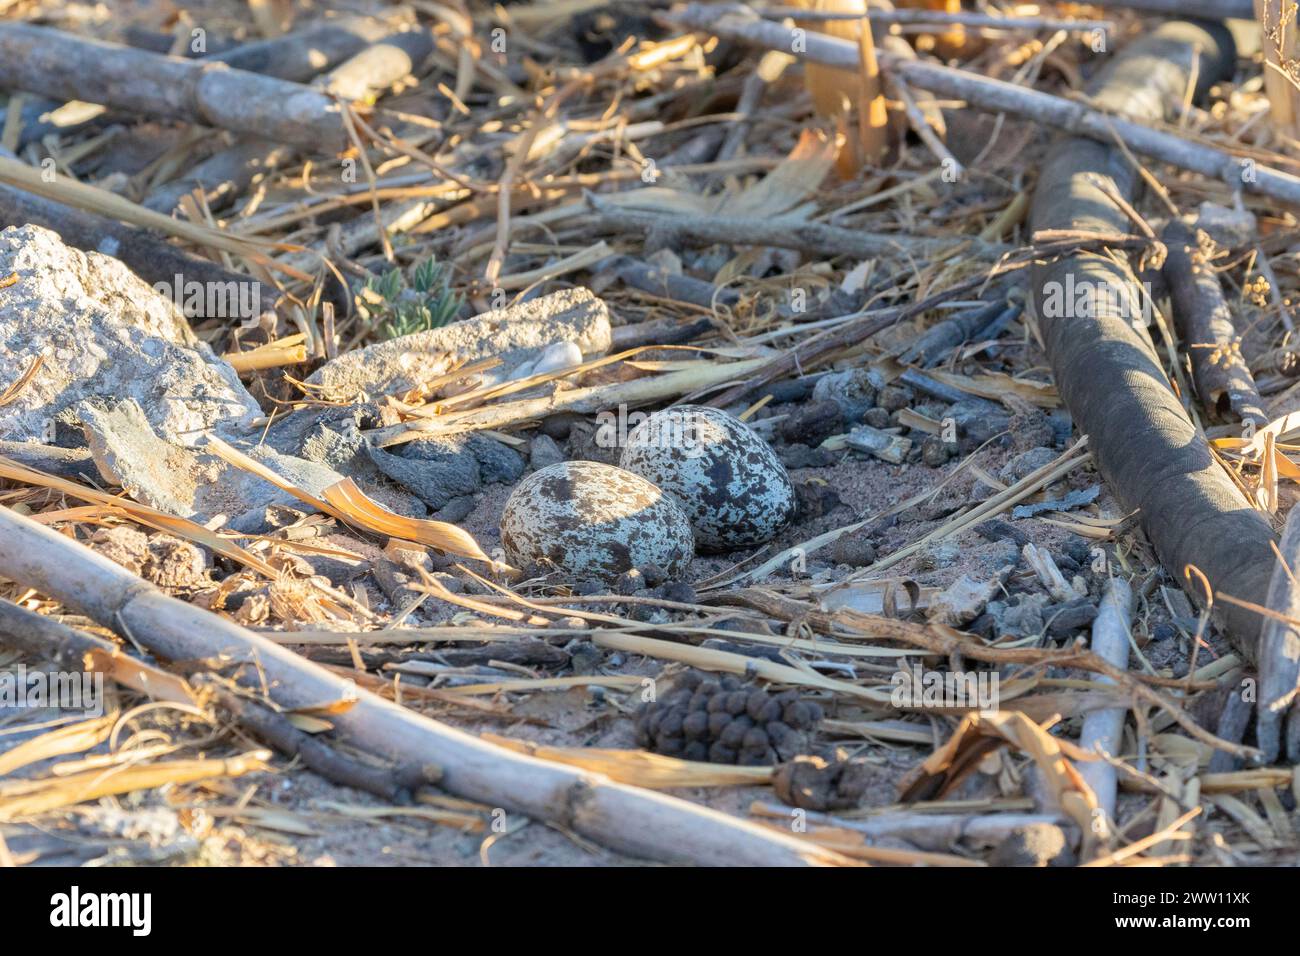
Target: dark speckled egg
(733, 487)
(594, 522)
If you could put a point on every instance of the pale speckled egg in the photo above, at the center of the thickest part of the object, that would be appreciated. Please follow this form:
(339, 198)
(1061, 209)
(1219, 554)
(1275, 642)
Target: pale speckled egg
(594, 522)
(733, 487)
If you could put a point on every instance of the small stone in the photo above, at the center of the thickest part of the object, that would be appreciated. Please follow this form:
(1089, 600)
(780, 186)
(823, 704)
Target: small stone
(814, 423)
(653, 575)
(816, 498)
(629, 582)
(934, 452)
(1066, 619)
(1031, 428)
(1023, 619)
(543, 451)
(854, 549)
(176, 564)
(852, 389)
(123, 545)
(559, 425)
(457, 510)
(1164, 631)
(894, 397)
(877, 418)
(679, 592)
(941, 554)
(799, 455)
(1025, 463)
(1036, 844)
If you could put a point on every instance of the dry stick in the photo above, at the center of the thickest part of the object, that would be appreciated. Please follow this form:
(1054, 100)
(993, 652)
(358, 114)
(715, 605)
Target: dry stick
(1279, 653)
(586, 400)
(929, 831)
(1105, 365)
(300, 55)
(74, 650)
(56, 64)
(314, 751)
(624, 818)
(368, 70)
(946, 642)
(938, 18)
(783, 233)
(1103, 729)
(1205, 9)
(731, 22)
(1202, 312)
(222, 177)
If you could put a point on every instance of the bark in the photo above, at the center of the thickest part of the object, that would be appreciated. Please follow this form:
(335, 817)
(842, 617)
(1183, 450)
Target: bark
(1223, 381)
(1104, 363)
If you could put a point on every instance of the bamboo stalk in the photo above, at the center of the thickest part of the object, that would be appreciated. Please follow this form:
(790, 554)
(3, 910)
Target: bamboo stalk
(624, 818)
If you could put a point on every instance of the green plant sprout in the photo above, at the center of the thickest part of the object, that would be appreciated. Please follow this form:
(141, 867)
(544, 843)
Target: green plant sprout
(398, 307)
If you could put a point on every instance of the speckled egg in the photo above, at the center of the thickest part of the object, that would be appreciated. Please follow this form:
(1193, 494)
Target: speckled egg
(733, 487)
(594, 522)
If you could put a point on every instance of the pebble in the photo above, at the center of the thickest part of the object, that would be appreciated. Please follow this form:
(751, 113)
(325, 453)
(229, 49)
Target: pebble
(1025, 463)
(544, 451)
(1036, 844)
(854, 549)
(934, 452)
(894, 397)
(852, 389)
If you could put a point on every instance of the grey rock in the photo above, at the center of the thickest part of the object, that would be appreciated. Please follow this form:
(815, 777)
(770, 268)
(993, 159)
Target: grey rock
(1023, 619)
(892, 398)
(853, 390)
(543, 451)
(935, 452)
(103, 333)
(443, 470)
(499, 464)
(1036, 844)
(855, 549)
(1025, 463)
(458, 509)
(1066, 619)
(877, 418)
(800, 455)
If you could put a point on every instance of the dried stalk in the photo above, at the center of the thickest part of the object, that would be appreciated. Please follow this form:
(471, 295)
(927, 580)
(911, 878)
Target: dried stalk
(625, 818)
